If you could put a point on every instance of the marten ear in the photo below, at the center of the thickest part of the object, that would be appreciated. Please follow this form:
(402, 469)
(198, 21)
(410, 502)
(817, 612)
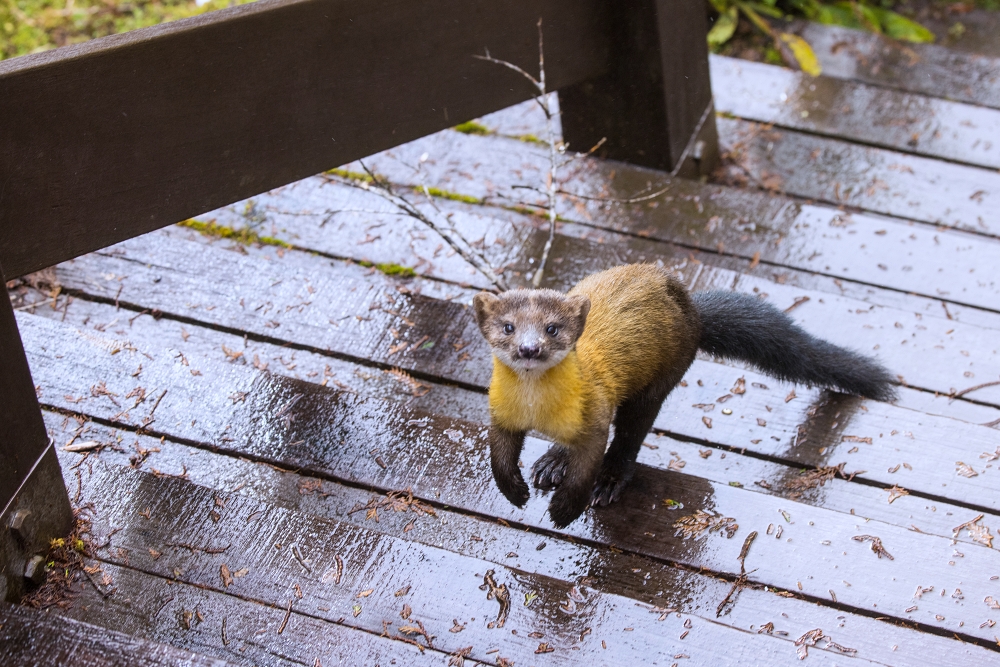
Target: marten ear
(580, 307)
(483, 304)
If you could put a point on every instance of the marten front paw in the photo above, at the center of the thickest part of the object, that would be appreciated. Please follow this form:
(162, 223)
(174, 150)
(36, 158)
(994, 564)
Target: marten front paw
(549, 470)
(610, 486)
(514, 488)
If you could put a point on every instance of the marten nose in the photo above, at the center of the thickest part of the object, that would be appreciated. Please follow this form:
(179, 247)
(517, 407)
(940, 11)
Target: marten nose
(528, 351)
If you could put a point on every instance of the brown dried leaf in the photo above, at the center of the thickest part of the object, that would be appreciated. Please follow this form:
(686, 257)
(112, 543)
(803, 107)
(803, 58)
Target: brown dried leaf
(696, 525)
(896, 492)
(965, 470)
(876, 545)
(977, 532)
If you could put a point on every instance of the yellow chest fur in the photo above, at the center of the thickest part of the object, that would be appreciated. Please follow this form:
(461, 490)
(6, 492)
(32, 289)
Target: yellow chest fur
(553, 403)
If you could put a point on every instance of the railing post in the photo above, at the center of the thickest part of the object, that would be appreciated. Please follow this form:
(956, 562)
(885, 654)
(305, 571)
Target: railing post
(654, 105)
(34, 506)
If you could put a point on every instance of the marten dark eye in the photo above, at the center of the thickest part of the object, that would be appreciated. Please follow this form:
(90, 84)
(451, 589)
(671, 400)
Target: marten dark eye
(508, 328)
(552, 330)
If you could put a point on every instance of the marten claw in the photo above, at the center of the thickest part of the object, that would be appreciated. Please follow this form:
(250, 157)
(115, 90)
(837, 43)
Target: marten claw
(607, 491)
(549, 470)
(609, 488)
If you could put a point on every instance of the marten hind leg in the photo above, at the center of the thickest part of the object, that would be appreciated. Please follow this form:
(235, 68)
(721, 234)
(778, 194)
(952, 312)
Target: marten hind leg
(633, 421)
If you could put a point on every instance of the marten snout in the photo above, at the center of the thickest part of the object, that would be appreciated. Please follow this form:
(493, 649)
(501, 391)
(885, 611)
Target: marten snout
(528, 351)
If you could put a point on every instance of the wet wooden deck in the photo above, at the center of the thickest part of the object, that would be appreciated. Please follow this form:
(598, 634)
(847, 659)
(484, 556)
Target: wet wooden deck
(281, 450)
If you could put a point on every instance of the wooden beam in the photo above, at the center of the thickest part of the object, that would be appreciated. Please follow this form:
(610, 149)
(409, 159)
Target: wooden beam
(122, 135)
(34, 506)
(653, 105)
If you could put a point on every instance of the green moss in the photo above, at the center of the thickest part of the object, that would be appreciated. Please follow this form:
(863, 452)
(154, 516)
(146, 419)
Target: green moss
(454, 196)
(244, 236)
(472, 127)
(531, 139)
(351, 175)
(391, 269)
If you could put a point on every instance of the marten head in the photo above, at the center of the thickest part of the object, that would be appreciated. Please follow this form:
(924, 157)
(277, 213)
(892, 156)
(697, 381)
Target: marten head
(531, 331)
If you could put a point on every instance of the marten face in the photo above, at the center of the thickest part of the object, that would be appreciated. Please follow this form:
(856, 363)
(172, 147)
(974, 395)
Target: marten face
(531, 331)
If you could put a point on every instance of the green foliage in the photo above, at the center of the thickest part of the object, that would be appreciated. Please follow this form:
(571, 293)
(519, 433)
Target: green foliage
(30, 26)
(724, 27)
(858, 14)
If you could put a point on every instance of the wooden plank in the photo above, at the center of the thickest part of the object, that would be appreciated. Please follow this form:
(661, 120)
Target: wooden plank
(784, 231)
(29, 637)
(283, 487)
(145, 144)
(198, 343)
(635, 577)
(338, 221)
(872, 179)
(379, 574)
(289, 423)
(857, 112)
(654, 101)
(264, 298)
(160, 609)
(979, 37)
(927, 69)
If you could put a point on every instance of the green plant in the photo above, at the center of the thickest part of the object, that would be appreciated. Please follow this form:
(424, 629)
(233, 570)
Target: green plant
(29, 26)
(793, 49)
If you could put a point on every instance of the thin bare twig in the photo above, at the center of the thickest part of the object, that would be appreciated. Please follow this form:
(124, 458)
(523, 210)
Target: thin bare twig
(449, 234)
(556, 148)
(614, 200)
(553, 162)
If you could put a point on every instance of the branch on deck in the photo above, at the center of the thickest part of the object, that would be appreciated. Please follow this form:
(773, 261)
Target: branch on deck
(446, 230)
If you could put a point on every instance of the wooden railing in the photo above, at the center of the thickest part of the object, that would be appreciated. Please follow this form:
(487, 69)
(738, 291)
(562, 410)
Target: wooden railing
(110, 139)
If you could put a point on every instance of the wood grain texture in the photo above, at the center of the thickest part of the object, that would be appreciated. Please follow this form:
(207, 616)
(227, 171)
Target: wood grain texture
(878, 250)
(383, 584)
(641, 579)
(29, 637)
(175, 120)
(951, 72)
(336, 220)
(872, 179)
(857, 112)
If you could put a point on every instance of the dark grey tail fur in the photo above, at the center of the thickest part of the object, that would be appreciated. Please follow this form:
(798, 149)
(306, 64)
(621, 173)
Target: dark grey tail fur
(744, 328)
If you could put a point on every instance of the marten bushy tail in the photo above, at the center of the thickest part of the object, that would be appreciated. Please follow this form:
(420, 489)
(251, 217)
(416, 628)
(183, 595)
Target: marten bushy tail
(744, 328)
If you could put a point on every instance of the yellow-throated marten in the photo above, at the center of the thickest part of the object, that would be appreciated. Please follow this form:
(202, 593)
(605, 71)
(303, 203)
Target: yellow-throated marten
(609, 351)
